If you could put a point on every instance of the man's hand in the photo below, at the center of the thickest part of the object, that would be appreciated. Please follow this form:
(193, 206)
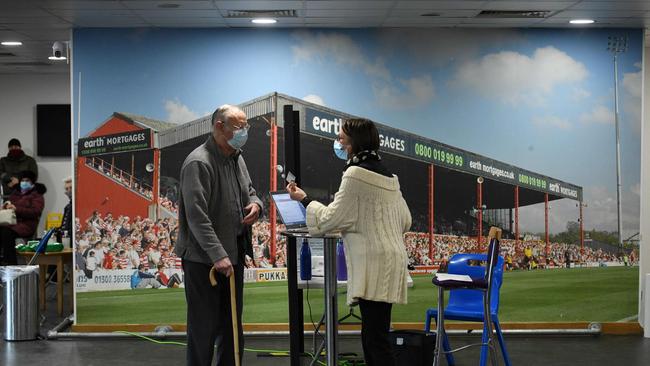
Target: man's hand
(252, 213)
(9, 206)
(224, 266)
(13, 182)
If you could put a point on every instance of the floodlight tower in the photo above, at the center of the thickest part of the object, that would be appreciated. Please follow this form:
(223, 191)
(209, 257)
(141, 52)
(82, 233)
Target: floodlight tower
(617, 45)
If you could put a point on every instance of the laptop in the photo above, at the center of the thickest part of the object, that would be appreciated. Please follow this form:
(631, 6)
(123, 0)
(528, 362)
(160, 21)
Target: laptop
(292, 213)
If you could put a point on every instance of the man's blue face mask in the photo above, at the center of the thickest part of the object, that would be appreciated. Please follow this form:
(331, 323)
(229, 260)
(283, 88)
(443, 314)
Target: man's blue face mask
(239, 138)
(340, 151)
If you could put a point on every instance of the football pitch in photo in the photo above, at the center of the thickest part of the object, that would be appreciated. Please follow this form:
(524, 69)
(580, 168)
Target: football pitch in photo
(560, 295)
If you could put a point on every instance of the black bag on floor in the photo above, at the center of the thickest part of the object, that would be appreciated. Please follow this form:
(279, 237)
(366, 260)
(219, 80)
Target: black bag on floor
(412, 347)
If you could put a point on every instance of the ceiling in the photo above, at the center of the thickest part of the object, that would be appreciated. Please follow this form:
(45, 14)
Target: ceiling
(38, 23)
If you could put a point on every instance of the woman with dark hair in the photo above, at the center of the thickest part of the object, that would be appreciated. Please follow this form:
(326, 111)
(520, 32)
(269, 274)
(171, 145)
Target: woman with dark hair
(372, 216)
(27, 201)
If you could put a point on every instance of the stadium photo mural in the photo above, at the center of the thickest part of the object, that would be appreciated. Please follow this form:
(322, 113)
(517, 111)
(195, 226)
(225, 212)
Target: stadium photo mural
(514, 128)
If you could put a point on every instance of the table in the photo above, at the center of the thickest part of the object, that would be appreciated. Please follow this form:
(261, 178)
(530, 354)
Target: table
(296, 321)
(57, 259)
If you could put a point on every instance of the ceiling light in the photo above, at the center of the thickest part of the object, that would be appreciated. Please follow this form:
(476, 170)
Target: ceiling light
(54, 58)
(264, 21)
(581, 21)
(11, 43)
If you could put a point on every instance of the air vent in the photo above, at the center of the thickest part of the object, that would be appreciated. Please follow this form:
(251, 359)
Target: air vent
(26, 63)
(262, 14)
(6, 54)
(168, 6)
(526, 14)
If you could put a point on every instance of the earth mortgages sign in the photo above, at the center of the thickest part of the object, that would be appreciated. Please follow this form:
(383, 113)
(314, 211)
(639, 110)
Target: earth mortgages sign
(420, 148)
(119, 142)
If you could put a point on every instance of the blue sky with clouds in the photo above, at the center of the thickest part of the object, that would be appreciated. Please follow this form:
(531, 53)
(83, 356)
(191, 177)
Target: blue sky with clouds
(539, 99)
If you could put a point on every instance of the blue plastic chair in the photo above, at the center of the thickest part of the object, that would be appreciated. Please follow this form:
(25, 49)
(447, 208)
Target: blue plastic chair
(466, 301)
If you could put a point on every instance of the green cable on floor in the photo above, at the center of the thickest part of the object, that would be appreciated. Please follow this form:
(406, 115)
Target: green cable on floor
(271, 351)
(150, 339)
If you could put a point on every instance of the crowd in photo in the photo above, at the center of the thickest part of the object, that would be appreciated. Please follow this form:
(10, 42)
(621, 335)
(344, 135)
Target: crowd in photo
(108, 242)
(262, 246)
(169, 205)
(522, 254)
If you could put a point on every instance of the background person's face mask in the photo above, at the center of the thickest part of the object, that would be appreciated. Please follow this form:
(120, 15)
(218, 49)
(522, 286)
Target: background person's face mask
(24, 186)
(340, 151)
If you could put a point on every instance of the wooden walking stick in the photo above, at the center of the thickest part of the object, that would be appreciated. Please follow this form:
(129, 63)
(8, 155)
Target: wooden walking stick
(233, 310)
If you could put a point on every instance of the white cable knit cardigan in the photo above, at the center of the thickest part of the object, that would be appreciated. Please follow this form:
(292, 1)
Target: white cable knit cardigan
(372, 216)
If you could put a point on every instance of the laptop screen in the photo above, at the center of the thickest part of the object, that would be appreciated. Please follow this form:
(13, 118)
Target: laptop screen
(291, 212)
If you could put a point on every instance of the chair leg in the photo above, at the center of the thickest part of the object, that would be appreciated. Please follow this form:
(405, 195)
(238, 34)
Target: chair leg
(484, 347)
(440, 327)
(447, 349)
(445, 339)
(502, 343)
(427, 322)
(487, 321)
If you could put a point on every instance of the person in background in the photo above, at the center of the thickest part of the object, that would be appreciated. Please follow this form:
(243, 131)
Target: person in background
(12, 165)
(141, 279)
(27, 201)
(66, 222)
(133, 256)
(80, 262)
(372, 216)
(444, 264)
(121, 260)
(169, 282)
(107, 262)
(65, 230)
(217, 206)
(509, 265)
(528, 257)
(567, 258)
(91, 264)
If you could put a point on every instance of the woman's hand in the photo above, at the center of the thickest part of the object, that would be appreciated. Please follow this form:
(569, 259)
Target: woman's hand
(9, 206)
(295, 192)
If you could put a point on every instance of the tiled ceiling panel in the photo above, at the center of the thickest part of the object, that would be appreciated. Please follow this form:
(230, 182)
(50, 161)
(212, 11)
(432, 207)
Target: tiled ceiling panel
(157, 5)
(38, 23)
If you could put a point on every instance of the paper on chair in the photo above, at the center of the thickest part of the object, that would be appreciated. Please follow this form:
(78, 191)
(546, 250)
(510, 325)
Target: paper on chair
(453, 277)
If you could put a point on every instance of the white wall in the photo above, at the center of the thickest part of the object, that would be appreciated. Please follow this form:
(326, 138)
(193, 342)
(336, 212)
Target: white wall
(19, 95)
(644, 242)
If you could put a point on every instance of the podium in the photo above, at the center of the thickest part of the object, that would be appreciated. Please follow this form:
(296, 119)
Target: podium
(296, 320)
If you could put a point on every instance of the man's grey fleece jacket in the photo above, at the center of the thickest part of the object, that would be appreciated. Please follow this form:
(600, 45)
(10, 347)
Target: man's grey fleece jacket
(214, 190)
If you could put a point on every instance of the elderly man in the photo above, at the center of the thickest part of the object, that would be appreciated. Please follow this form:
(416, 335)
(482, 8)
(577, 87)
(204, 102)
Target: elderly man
(217, 206)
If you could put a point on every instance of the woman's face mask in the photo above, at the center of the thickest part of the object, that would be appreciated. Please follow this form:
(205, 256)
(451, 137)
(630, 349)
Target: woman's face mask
(340, 150)
(25, 185)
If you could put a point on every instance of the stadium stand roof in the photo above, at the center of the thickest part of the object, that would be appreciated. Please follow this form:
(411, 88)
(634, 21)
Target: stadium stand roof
(457, 168)
(145, 122)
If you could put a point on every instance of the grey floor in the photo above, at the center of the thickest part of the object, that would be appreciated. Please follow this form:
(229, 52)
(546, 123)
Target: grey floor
(524, 350)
